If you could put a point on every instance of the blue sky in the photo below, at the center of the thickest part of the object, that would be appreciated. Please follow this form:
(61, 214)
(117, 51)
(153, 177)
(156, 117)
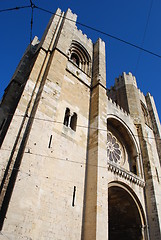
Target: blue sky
(125, 19)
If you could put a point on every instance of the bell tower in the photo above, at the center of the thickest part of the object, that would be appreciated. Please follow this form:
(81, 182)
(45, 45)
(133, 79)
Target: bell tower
(78, 160)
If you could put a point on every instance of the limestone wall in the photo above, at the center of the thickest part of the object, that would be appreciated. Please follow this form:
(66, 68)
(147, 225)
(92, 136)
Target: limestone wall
(55, 177)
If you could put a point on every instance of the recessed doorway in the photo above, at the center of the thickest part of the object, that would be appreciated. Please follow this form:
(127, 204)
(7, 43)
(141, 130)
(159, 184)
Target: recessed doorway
(124, 217)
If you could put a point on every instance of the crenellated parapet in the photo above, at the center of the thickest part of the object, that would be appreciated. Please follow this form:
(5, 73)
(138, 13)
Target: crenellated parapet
(83, 37)
(125, 78)
(117, 107)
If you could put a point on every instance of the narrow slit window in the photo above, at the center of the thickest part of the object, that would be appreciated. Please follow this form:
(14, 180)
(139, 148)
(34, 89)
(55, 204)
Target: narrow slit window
(73, 200)
(73, 122)
(66, 117)
(157, 174)
(50, 141)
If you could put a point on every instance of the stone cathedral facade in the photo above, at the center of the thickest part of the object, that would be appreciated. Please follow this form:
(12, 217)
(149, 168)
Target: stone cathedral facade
(78, 161)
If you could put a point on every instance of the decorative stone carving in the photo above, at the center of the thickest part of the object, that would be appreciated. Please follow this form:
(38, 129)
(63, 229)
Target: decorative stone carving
(113, 149)
(117, 170)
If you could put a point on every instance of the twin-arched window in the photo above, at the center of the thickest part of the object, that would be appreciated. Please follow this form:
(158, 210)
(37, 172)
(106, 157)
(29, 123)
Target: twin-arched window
(70, 120)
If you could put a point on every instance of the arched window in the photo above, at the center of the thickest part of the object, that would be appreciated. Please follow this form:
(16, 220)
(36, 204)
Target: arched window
(75, 59)
(80, 57)
(73, 121)
(66, 117)
(70, 120)
(122, 148)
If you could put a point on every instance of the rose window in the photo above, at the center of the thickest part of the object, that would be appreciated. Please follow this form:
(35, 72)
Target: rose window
(113, 149)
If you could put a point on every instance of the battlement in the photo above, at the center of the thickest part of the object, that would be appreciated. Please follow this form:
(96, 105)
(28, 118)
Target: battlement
(125, 78)
(142, 96)
(82, 36)
(118, 107)
(127, 74)
(101, 41)
(111, 90)
(119, 80)
(73, 17)
(70, 15)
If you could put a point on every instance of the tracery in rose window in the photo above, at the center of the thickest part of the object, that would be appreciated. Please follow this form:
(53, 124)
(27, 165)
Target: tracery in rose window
(113, 149)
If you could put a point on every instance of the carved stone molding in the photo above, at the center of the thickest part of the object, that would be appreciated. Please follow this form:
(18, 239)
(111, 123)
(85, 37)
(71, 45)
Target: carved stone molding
(117, 170)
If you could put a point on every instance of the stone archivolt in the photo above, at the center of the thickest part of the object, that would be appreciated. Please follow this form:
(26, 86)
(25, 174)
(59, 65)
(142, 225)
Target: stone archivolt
(79, 56)
(116, 159)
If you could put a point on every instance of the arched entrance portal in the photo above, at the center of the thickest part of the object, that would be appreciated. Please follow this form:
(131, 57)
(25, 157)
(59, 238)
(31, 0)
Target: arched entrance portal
(124, 216)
